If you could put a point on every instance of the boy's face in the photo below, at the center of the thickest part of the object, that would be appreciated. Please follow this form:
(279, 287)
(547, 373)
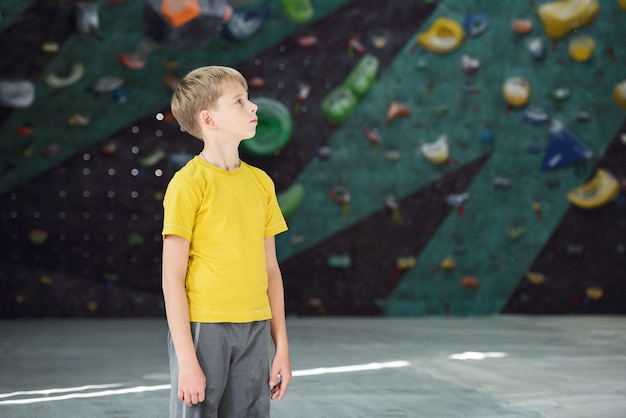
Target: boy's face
(233, 114)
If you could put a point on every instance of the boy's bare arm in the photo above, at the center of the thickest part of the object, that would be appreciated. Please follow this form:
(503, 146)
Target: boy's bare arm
(191, 379)
(281, 364)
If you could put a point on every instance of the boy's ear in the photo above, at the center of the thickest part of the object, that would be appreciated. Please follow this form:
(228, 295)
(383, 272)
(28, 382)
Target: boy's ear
(206, 119)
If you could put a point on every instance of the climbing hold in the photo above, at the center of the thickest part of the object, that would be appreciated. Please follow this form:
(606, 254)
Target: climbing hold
(457, 201)
(120, 95)
(373, 137)
(17, 94)
(536, 278)
(244, 23)
(316, 303)
(445, 35)
(514, 233)
(290, 199)
(338, 105)
(405, 263)
(396, 109)
(307, 41)
(341, 196)
(522, 26)
(601, 189)
(342, 261)
(24, 130)
(362, 77)
(470, 282)
(50, 47)
(561, 17)
(46, 280)
(486, 135)
(516, 91)
(178, 160)
(583, 116)
(469, 64)
(153, 158)
(447, 263)
(273, 131)
(78, 119)
(324, 153)
(475, 24)
(561, 93)
(298, 11)
(75, 74)
(563, 148)
(536, 206)
(436, 152)
(304, 90)
(502, 183)
(619, 94)
(107, 83)
(622, 4)
(354, 45)
(256, 83)
(581, 47)
(538, 48)
(392, 204)
(535, 115)
(133, 61)
(341, 101)
(134, 239)
(37, 236)
(574, 250)
(594, 293)
(86, 19)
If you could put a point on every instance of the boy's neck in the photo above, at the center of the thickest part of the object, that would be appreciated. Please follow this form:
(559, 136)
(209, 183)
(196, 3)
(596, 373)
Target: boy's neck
(226, 158)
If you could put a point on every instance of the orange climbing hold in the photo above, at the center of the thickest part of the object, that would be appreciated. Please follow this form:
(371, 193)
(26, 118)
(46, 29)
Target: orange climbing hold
(470, 282)
(179, 12)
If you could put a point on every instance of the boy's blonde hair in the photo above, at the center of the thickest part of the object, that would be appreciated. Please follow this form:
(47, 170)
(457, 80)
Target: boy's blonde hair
(200, 90)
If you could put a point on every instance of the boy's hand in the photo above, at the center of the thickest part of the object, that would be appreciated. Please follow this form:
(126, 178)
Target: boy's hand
(191, 385)
(280, 377)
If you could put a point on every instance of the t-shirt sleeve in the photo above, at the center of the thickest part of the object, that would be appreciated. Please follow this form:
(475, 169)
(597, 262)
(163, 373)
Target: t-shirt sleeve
(180, 205)
(275, 221)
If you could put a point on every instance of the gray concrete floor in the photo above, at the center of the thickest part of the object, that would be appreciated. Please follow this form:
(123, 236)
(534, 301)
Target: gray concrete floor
(502, 366)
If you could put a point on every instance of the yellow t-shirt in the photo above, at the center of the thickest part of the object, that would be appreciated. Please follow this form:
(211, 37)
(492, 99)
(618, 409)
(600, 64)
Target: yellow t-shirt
(226, 216)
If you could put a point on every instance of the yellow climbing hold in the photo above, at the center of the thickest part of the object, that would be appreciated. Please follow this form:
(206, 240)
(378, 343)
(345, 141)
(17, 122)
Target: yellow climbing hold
(561, 17)
(581, 47)
(597, 192)
(436, 152)
(536, 278)
(448, 263)
(444, 36)
(516, 91)
(594, 293)
(75, 74)
(622, 4)
(619, 93)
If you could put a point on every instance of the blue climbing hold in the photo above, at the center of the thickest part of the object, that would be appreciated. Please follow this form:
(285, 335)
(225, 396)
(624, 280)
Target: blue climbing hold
(563, 148)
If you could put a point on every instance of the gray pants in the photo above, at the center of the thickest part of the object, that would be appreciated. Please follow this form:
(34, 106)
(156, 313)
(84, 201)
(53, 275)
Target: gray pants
(235, 361)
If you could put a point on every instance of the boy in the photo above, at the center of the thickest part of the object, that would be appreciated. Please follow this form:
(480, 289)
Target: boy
(222, 284)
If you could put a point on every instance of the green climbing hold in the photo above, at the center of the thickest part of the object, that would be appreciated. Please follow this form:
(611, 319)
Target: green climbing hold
(290, 199)
(341, 101)
(273, 131)
(298, 11)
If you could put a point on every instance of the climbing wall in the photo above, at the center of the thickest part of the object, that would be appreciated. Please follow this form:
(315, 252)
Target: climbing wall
(486, 246)
(380, 228)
